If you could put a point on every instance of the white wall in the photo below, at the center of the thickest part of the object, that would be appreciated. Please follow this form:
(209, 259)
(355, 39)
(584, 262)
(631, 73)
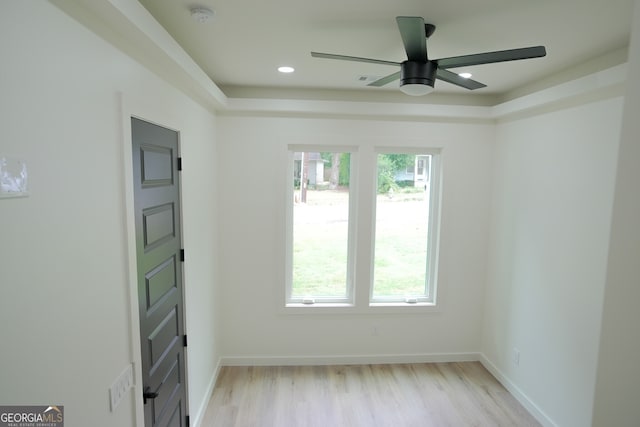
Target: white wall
(252, 235)
(65, 323)
(618, 379)
(553, 193)
(65, 314)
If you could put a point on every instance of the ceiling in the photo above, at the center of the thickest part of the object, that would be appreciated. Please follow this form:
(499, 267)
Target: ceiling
(242, 46)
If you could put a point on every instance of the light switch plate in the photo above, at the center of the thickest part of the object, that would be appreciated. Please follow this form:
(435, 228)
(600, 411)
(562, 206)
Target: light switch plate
(121, 386)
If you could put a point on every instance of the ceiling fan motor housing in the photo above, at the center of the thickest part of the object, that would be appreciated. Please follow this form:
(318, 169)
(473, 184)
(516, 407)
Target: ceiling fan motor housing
(418, 73)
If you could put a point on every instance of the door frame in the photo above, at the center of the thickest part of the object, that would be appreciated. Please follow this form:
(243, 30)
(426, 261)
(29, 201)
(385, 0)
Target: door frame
(142, 109)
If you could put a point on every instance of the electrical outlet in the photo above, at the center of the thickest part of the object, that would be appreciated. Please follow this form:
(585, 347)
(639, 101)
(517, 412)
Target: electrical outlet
(516, 357)
(121, 386)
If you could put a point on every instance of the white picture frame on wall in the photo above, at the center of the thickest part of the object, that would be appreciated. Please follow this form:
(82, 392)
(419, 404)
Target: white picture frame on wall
(13, 178)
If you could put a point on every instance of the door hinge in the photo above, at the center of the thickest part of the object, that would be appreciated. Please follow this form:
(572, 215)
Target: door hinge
(187, 420)
(182, 255)
(184, 340)
(179, 163)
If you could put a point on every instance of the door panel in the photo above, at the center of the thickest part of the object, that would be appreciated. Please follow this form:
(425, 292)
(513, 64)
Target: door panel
(160, 281)
(158, 224)
(160, 293)
(156, 162)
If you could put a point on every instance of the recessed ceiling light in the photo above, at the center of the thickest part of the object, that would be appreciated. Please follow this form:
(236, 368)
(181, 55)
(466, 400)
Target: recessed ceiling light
(465, 75)
(286, 69)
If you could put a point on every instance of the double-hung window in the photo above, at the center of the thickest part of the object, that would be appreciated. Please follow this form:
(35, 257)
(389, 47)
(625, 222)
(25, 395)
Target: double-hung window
(320, 230)
(402, 212)
(406, 219)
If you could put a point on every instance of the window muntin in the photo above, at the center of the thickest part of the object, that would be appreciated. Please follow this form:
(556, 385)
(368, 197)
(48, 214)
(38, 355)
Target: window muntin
(404, 260)
(321, 228)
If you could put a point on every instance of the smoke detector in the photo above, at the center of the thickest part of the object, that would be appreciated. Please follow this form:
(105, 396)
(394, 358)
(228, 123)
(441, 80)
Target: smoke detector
(201, 14)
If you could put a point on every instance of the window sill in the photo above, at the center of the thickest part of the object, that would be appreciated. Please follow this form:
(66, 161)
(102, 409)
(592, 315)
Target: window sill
(319, 304)
(402, 304)
(402, 307)
(372, 308)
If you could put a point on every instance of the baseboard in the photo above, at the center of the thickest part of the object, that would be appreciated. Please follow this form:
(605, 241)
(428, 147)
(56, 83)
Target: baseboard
(521, 397)
(348, 359)
(196, 420)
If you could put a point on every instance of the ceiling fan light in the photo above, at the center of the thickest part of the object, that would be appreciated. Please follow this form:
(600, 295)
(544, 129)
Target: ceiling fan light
(417, 78)
(416, 89)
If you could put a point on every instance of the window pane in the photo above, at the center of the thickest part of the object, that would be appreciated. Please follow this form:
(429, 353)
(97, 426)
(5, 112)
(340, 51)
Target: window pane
(320, 225)
(402, 227)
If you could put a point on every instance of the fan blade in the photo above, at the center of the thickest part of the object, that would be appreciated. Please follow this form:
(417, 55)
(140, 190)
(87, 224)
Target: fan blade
(491, 57)
(352, 58)
(455, 79)
(414, 37)
(384, 80)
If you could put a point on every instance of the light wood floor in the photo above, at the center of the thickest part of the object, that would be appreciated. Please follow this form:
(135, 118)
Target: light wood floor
(407, 395)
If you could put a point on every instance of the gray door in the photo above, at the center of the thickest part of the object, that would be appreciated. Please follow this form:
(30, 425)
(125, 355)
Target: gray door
(158, 250)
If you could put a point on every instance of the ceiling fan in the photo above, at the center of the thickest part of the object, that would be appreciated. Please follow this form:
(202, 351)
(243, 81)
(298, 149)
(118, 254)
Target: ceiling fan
(418, 73)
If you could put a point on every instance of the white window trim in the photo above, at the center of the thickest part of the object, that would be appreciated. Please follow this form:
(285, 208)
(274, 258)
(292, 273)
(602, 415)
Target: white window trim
(428, 299)
(359, 293)
(348, 300)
